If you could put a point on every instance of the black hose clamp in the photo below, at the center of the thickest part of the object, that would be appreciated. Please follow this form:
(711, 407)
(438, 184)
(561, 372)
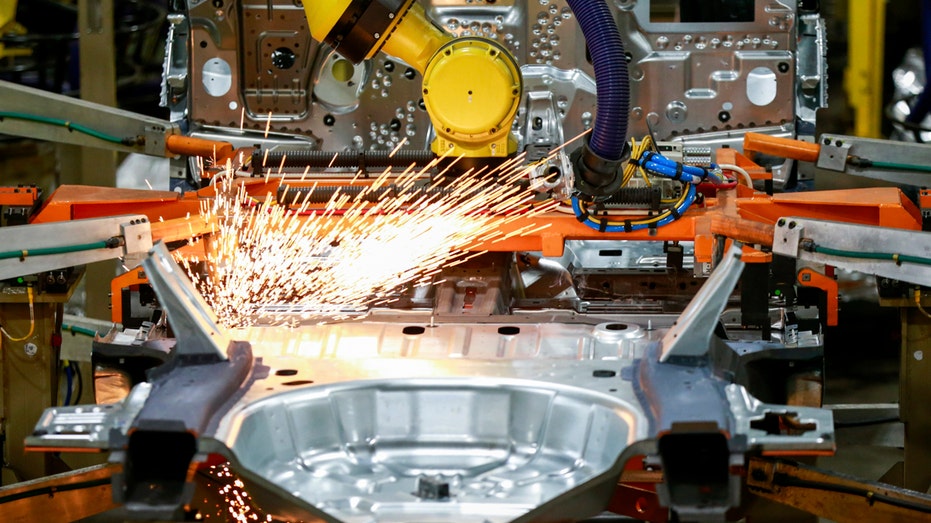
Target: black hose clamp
(597, 178)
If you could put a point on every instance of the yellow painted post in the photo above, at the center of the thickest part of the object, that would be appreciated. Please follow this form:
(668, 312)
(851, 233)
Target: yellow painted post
(7, 12)
(863, 78)
(7, 19)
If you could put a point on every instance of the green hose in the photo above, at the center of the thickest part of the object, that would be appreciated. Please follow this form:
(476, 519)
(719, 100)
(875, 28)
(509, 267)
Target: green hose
(54, 250)
(902, 166)
(63, 123)
(898, 258)
(79, 330)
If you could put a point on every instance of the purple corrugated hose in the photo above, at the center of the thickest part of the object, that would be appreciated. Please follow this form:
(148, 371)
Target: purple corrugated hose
(613, 91)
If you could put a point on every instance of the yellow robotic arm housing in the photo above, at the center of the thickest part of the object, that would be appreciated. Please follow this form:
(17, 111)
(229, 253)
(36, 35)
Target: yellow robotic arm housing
(471, 87)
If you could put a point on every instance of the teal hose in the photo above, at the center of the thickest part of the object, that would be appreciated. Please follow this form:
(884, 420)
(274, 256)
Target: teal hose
(54, 250)
(79, 330)
(62, 123)
(898, 258)
(903, 166)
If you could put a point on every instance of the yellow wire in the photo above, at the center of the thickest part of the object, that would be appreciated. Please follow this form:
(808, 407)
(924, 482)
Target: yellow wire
(636, 151)
(646, 221)
(32, 319)
(918, 303)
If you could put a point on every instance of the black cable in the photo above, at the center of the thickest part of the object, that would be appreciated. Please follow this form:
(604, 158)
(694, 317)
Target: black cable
(785, 480)
(46, 491)
(80, 381)
(865, 422)
(904, 123)
(650, 130)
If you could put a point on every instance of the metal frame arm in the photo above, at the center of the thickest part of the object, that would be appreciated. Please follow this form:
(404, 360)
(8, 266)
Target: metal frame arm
(891, 253)
(33, 113)
(29, 249)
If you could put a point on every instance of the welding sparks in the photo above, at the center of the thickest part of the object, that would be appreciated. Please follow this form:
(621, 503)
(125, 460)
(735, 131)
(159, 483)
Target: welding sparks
(231, 501)
(354, 251)
(397, 148)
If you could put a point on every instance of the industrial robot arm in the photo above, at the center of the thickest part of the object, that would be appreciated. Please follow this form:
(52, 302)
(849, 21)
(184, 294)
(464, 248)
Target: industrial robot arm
(471, 85)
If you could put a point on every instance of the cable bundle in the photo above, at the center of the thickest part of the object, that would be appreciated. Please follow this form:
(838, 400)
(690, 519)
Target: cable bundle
(647, 163)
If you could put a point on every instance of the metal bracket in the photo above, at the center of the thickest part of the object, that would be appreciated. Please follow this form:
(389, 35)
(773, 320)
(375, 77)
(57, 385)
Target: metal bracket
(691, 335)
(191, 318)
(543, 131)
(833, 155)
(808, 277)
(87, 426)
(814, 432)
(841, 147)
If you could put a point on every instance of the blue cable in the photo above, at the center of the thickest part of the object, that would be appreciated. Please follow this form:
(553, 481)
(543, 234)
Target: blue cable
(689, 199)
(691, 169)
(662, 166)
(657, 164)
(671, 172)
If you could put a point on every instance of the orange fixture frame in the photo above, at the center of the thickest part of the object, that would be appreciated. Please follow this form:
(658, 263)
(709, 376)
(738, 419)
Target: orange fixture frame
(742, 214)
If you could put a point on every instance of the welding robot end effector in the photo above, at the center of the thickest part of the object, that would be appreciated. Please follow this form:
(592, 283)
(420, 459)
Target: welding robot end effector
(597, 178)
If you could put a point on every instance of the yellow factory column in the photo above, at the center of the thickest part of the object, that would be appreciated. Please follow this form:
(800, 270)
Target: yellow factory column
(98, 166)
(29, 363)
(863, 78)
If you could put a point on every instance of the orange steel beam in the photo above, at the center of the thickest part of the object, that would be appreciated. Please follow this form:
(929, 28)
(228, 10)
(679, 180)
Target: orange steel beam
(204, 148)
(74, 202)
(745, 231)
(880, 206)
(179, 229)
(743, 218)
(782, 147)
